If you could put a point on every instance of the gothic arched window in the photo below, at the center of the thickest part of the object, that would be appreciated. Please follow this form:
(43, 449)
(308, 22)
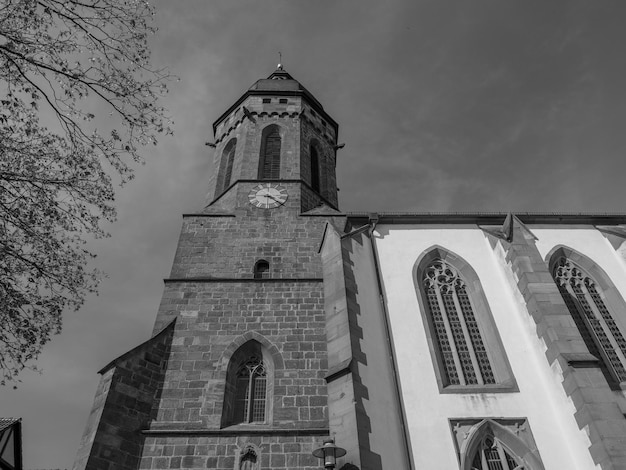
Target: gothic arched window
(495, 444)
(457, 333)
(225, 173)
(466, 348)
(586, 302)
(269, 161)
(247, 395)
(315, 168)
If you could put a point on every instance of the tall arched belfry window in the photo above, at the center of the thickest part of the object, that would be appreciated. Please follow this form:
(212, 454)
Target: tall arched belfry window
(586, 302)
(248, 386)
(464, 341)
(269, 161)
(315, 168)
(458, 336)
(225, 173)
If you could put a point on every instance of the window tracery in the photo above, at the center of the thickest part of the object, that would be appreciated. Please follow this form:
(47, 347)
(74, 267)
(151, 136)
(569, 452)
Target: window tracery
(250, 391)
(586, 303)
(249, 386)
(457, 334)
(491, 455)
(495, 444)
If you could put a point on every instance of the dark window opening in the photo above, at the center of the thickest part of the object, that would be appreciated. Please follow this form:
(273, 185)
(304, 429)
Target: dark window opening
(269, 163)
(261, 269)
(267, 100)
(248, 461)
(315, 169)
(283, 101)
(225, 172)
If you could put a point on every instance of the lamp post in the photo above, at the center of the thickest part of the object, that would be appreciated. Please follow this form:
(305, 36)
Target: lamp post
(329, 452)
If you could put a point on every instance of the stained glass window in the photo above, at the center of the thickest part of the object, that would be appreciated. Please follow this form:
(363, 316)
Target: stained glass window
(586, 304)
(457, 335)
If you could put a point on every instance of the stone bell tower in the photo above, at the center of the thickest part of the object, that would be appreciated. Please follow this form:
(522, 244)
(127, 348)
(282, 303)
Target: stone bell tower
(234, 374)
(277, 132)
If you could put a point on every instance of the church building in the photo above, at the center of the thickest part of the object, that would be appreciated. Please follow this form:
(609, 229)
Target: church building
(413, 341)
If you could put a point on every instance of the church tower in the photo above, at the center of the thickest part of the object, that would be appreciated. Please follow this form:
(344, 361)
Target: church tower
(276, 135)
(234, 374)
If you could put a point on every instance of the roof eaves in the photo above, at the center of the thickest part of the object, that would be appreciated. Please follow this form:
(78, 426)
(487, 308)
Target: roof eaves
(487, 218)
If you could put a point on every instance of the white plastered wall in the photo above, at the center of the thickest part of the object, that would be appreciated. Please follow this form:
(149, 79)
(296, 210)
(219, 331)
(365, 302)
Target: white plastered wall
(541, 398)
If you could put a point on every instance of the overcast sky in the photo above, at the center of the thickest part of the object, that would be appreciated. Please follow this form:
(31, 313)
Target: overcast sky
(443, 106)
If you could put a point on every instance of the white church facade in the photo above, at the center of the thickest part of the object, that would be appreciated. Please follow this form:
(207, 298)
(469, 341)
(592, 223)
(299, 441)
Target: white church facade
(504, 335)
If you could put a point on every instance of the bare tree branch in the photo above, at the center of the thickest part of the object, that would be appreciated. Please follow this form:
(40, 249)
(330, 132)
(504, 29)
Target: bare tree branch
(87, 64)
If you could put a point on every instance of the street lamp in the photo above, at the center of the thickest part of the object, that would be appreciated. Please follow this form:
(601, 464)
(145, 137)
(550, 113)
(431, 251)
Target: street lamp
(329, 452)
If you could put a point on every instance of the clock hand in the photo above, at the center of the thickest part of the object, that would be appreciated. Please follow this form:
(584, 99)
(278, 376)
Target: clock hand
(275, 199)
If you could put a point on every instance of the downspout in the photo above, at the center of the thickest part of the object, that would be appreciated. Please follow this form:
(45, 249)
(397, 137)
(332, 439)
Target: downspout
(373, 221)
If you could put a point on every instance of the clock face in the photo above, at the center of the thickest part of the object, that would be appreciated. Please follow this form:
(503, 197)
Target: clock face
(267, 195)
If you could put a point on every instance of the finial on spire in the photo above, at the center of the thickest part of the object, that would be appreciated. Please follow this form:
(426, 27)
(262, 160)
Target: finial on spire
(280, 61)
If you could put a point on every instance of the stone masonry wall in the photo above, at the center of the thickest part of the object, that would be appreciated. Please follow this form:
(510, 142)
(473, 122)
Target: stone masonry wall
(221, 453)
(285, 316)
(124, 405)
(219, 306)
(248, 134)
(313, 127)
(228, 247)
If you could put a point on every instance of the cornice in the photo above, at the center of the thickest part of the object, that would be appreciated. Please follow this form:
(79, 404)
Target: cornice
(302, 93)
(173, 280)
(237, 431)
(488, 218)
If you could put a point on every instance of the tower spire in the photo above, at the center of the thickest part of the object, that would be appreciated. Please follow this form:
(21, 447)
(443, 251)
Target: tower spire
(280, 61)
